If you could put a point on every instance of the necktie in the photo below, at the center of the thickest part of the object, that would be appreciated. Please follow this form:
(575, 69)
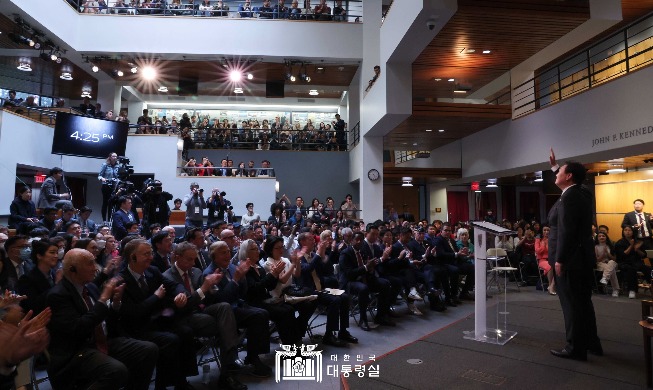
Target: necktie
(200, 257)
(100, 336)
(20, 270)
(143, 284)
(642, 229)
(359, 258)
(186, 281)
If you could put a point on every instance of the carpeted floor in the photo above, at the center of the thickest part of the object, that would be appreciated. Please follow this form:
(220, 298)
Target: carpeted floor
(447, 361)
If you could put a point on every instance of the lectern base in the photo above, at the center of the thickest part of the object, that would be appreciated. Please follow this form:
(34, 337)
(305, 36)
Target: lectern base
(491, 336)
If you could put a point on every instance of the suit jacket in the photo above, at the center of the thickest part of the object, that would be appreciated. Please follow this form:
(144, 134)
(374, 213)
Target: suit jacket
(195, 277)
(160, 262)
(120, 220)
(223, 171)
(570, 238)
(35, 285)
(204, 255)
(259, 285)
(630, 219)
(72, 327)
(8, 276)
(445, 250)
(350, 271)
(321, 269)
(229, 291)
(140, 309)
(49, 195)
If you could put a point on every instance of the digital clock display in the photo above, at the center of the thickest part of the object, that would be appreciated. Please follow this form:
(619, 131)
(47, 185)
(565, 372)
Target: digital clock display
(77, 135)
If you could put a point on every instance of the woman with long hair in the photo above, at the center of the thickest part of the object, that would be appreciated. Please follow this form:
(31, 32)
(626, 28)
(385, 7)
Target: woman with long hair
(542, 254)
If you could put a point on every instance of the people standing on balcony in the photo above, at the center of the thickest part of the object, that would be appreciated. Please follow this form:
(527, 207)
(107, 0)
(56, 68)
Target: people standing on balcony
(339, 12)
(245, 10)
(307, 11)
(322, 11)
(377, 73)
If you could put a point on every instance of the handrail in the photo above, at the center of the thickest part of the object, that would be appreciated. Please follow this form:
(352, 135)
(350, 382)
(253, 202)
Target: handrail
(631, 48)
(197, 9)
(354, 136)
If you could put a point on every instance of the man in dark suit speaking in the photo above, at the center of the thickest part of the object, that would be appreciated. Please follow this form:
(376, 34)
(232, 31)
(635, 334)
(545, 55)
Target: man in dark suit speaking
(571, 254)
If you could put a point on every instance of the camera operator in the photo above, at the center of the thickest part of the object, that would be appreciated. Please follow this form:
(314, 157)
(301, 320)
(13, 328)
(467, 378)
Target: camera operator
(108, 176)
(195, 206)
(220, 209)
(155, 205)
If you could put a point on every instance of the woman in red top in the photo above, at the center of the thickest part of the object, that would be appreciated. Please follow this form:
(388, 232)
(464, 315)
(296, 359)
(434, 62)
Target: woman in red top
(542, 253)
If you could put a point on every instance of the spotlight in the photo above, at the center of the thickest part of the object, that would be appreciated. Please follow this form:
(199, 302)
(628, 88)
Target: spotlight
(292, 78)
(66, 76)
(308, 79)
(37, 45)
(148, 73)
(95, 69)
(238, 90)
(313, 92)
(134, 69)
(163, 89)
(25, 67)
(235, 76)
(250, 76)
(31, 43)
(58, 60)
(53, 57)
(119, 73)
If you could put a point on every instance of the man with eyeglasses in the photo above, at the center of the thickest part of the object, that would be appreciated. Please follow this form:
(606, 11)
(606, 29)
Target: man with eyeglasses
(196, 237)
(17, 263)
(230, 238)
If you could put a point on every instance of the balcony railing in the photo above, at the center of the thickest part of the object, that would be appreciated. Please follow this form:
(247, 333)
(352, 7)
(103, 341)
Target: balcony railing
(627, 50)
(348, 11)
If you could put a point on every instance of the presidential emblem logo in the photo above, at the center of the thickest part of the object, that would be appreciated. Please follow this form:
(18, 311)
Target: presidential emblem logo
(304, 363)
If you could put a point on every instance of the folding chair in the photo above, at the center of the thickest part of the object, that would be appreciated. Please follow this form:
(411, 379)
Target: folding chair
(494, 256)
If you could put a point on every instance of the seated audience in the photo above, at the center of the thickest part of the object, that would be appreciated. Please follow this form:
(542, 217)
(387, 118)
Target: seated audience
(22, 210)
(79, 310)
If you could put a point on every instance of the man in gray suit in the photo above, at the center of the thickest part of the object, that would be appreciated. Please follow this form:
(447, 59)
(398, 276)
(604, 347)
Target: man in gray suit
(571, 254)
(216, 319)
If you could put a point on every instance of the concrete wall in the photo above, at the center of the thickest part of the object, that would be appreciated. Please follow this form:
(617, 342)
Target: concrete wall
(29, 143)
(308, 174)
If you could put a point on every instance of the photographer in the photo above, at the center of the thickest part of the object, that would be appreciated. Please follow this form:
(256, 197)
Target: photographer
(220, 209)
(195, 206)
(108, 176)
(155, 205)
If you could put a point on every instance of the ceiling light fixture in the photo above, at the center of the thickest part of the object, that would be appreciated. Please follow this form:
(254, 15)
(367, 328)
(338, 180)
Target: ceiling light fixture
(441, 131)
(31, 42)
(66, 76)
(53, 57)
(95, 69)
(163, 89)
(250, 76)
(538, 177)
(616, 168)
(86, 94)
(491, 183)
(25, 67)
(487, 51)
(120, 73)
(451, 80)
(313, 92)
(470, 51)
(238, 90)
(58, 60)
(293, 78)
(406, 181)
(429, 130)
(134, 69)
(437, 79)
(37, 45)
